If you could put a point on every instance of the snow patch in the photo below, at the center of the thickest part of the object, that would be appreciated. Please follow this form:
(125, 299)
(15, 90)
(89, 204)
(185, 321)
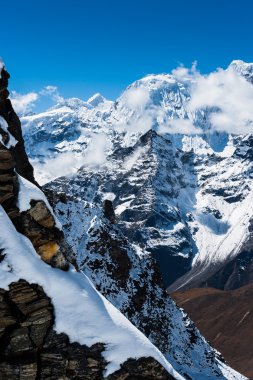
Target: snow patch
(12, 141)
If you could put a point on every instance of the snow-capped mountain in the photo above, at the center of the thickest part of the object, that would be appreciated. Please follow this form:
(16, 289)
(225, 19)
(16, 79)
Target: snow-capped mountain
(181, 193)
(53, 322)
(184, 197)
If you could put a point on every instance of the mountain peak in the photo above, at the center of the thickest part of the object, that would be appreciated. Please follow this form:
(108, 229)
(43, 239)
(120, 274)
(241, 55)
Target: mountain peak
(73, 103)
(243, 68)
(96, 99)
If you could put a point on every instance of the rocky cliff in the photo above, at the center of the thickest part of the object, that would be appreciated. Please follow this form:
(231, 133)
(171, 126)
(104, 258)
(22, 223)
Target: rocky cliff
(37, 278)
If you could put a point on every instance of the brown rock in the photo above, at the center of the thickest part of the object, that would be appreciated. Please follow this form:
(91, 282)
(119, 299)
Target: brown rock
(141, 369)
(48, 251)
(42, 215)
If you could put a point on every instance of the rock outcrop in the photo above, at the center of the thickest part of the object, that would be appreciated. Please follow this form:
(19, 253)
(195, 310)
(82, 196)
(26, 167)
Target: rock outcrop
(31, 350)
(37, 223)
(22, 164)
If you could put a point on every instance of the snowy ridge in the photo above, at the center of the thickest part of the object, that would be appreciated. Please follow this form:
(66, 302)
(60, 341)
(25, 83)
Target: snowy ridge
(243, 68)
(122, 339)
(177, 337)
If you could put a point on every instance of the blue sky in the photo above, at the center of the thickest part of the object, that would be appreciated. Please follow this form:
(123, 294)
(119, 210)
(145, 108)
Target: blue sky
(83, 47)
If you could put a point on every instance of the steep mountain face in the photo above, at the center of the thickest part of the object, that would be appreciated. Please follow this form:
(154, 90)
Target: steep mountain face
(187, 199)
(129, 278)
(225, 319)
(53, 323)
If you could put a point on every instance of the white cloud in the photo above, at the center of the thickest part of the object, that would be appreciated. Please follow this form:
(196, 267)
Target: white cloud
(64, 164)
(68, 163)
(53, 93)
(182, 126)
(135, 98)
(23, 103)
(139, 123)
(95, 155)
(229, 95)
(182, 72)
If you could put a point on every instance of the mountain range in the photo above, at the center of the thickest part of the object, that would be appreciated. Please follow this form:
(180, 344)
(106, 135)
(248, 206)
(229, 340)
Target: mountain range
(149, 197)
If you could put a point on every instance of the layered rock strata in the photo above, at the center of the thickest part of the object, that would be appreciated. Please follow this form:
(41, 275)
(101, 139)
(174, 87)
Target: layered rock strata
(30, 349)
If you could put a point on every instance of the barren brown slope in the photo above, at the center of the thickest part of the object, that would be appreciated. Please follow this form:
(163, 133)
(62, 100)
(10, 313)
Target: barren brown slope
(225, 318)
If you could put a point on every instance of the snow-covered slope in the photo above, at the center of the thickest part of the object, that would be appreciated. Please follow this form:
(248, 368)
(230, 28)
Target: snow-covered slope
(77, 305)
(128, 277)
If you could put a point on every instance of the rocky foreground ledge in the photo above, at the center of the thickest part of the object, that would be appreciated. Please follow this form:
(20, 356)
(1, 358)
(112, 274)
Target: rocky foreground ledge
(31, 349)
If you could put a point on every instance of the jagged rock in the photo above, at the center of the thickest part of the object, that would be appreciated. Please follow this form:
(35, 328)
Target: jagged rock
(8, 182)
(40, 213)
(142, 369)
(109, 211)
(18, 152)
(38, 224)
(46, 240)
(31, 349)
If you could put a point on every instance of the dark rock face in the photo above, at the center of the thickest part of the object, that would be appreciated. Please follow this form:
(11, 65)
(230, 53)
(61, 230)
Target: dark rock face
(31, 350)
(18, 152)
(8, 183)
(37, 223)
(109, 211)
(137, 281)
(144, 368)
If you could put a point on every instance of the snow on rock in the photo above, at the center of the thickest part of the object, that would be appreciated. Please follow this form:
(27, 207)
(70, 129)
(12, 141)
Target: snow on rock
(11, 140)
(171, 179)
(243, 68)
(28, 192)
(80, 311)
(126, 275)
